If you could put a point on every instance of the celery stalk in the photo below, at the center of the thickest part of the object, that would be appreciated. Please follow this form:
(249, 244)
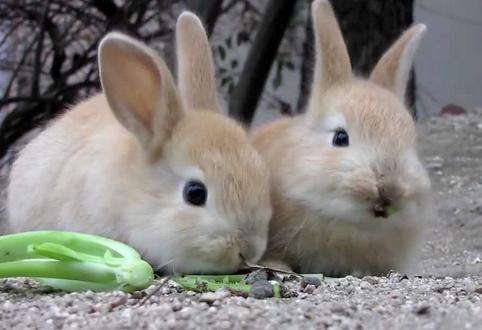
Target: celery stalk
(73, 261)
(204, 283)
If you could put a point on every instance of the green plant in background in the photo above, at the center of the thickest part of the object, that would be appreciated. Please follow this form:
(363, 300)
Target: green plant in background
(74, 262)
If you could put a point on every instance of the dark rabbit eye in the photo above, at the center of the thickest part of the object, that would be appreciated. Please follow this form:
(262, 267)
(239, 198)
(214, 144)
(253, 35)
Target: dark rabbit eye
(341, 138)
(195, 193)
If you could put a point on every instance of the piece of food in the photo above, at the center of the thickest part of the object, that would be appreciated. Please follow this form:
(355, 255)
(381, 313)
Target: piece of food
(391, 211)
(238, 285)
(73, 261)
(207, 283)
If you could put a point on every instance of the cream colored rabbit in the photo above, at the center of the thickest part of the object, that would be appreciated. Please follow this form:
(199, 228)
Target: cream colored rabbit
(340, 170)
(168, 174)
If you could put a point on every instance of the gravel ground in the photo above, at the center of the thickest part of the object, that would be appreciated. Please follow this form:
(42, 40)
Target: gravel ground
(446, 293)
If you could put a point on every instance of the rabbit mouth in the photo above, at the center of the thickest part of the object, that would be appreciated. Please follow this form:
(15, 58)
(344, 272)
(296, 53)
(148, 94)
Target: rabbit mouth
(380, 210)
(384, 210)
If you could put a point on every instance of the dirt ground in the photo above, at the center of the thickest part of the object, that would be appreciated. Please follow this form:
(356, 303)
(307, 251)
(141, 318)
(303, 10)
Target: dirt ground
(445, 294)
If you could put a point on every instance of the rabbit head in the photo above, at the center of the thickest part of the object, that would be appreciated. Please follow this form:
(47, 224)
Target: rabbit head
(360, 157)
(206, 205)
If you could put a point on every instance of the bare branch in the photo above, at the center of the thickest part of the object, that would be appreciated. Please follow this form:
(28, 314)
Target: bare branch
(18, 68)
(38, 54)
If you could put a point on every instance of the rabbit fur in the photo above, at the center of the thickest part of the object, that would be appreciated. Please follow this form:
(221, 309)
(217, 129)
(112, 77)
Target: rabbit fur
(324, 196)
(117, 163)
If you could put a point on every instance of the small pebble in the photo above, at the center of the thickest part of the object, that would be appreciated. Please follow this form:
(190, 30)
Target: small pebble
(176, 306)
(310, 280)
(211, 297)
(257, 275)
(262, 290)
(309, 289)
(138, 294)
(422, 309)
(365, 285)
(171, 323)
(371, 279)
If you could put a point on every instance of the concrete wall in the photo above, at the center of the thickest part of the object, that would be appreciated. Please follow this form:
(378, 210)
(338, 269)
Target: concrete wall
(449, 64)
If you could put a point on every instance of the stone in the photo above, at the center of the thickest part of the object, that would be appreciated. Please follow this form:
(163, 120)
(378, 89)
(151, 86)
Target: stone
(211, 297)
(262, 290)
(257, 275)
(310, 280)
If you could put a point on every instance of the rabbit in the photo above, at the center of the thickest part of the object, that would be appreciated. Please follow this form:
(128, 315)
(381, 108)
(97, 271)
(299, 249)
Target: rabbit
(340, 170)
(150, 164)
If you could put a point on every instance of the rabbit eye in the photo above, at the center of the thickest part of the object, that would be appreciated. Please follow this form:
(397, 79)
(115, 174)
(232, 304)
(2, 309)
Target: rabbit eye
(341, 139)
(195, 193)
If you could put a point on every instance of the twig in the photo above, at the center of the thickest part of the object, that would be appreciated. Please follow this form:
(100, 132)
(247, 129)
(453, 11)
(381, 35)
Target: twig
(38, 53)
(146, 298)
(18, 68)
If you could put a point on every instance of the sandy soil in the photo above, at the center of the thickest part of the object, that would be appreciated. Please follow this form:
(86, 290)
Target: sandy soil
(447, 295)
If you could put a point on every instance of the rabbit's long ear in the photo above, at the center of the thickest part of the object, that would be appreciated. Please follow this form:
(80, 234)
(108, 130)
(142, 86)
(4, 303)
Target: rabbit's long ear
(196, 79)
(139, 88)
(393, 69)
(332, 64)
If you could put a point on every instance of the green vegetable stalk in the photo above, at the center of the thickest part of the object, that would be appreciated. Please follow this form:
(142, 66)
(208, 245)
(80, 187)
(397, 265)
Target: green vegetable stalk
(212, 283)
(205, 283)
(74, 262)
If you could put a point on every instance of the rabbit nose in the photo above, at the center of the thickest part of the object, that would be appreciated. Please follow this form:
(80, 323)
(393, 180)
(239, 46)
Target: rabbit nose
(380, 208)
(387, 195)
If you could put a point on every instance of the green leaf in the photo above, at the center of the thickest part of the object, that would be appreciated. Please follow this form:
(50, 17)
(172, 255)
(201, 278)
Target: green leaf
(277, 290)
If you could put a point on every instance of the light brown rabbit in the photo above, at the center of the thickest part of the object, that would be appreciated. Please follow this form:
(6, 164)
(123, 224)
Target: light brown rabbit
(340, 170)
(168, 174)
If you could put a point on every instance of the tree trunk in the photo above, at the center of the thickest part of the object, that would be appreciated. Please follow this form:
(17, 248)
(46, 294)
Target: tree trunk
(246, 94)
(369, 28)
(307, 63)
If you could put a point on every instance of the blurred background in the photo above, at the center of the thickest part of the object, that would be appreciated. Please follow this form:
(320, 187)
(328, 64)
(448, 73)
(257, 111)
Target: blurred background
(263, 52)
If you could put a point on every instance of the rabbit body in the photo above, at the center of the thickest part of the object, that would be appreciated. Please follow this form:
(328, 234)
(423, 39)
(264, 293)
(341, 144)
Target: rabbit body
(331, 202)
(121, 164)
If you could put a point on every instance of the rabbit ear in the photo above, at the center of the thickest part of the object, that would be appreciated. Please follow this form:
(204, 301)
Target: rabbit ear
(139, 88)
(196, 79)
(393, 69)
(332, 60)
